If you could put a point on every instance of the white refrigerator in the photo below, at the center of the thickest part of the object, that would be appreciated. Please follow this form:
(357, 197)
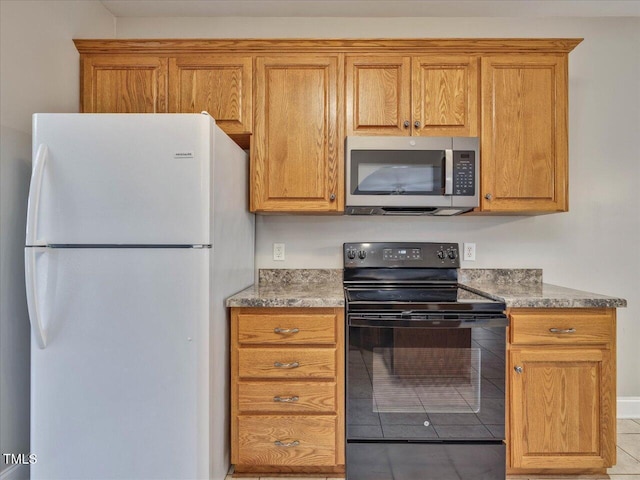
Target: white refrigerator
(138, 229)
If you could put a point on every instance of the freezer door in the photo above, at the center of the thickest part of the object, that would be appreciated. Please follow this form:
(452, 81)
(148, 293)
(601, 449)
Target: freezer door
(120, 179)
(121, 390)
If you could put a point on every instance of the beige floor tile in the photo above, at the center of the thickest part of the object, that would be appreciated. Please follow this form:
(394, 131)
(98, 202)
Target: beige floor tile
(630, 443)
(627, 425)
(571, 477)
(624, 477)
(637, 420)
(625, 465)
(292, 478)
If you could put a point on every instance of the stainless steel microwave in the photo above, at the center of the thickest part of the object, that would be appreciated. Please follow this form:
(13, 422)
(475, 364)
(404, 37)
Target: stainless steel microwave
(411, 175)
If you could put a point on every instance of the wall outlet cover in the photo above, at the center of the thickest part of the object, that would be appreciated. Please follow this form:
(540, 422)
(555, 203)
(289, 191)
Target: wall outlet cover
(278, 252)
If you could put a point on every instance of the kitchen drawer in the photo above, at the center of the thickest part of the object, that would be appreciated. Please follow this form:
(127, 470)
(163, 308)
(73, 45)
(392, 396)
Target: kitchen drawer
(295, 397)
(319, 329)
(303, 363)
(311, 440)
(572, 327)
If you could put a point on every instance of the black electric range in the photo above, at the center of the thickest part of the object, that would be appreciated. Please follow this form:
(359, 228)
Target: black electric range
(426, 366)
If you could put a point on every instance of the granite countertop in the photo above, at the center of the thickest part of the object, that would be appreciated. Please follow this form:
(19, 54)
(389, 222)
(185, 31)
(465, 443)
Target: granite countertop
(323, 288)
(292, 288)
(544, 295)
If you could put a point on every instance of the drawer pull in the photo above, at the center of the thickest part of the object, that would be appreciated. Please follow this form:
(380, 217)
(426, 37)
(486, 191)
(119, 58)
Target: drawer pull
(286, 365)
(518, 369)
(562, 330)
(286, 399)
(278, 443)
(285, 331)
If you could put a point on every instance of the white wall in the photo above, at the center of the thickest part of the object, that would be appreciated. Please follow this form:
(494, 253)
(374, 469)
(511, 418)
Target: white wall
(39, 72)
(594, 247)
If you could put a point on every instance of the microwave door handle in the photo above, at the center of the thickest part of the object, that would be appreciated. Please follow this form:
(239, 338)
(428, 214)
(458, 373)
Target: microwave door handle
(448, 172)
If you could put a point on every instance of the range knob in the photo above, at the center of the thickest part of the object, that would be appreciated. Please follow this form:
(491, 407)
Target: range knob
(441, 254)
(452, 254)
(362, 254)
(351, 254)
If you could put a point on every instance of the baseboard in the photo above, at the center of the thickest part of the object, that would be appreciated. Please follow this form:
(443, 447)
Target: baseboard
(15, 472)
(628, 407)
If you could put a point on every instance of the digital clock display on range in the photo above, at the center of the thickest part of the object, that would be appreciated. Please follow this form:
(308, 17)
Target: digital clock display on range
(402, 254)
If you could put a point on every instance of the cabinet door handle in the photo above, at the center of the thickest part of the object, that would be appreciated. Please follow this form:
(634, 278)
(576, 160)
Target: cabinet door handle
(406, 124)
(285, 331)
(488, 196)
(286, 399)
(279, 443)
(562, 330)
(332, 197)
(416, 124)
(518, 369)
(286, 365)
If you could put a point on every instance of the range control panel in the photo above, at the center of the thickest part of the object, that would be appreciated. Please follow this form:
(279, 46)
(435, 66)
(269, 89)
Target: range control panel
(396, 254)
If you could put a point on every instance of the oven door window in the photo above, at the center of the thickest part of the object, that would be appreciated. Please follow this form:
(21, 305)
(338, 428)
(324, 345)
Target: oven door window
(397, 172)
(416, 380)
(425, 383)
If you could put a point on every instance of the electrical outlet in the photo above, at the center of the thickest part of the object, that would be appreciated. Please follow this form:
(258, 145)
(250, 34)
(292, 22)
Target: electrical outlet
(278, 252)
(469, 252)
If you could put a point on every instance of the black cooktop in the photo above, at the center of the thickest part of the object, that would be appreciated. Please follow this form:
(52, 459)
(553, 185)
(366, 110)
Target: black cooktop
(404, 294)
(409, 277)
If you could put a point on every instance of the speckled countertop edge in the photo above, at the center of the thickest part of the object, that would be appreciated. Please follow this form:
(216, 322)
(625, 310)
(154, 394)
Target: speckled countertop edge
(544, 295)
(323, 288)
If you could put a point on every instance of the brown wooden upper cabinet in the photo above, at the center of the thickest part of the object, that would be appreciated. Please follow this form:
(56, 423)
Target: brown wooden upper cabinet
(300, 98)
(123, 84)
(220, 85)
(296, 149)
(524, 144)
(434, 95)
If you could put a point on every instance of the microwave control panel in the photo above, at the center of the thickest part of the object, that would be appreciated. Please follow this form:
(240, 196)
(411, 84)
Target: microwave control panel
(464, 173)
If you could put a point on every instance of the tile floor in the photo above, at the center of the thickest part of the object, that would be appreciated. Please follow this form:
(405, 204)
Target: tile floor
(627, 468)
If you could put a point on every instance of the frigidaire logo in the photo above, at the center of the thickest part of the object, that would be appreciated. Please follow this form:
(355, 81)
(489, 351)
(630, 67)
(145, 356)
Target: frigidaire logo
(184, 154)
(19, 458)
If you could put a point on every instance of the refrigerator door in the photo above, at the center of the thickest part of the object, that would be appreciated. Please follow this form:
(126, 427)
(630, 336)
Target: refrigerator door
(120, 179)
(121, 390)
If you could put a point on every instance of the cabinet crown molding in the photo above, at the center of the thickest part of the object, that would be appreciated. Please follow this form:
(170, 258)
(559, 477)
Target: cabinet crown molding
(439, 45)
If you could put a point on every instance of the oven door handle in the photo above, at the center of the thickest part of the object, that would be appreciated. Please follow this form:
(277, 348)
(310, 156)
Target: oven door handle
(497, 320)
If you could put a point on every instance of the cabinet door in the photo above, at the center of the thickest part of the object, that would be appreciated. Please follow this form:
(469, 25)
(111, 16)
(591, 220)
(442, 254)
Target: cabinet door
(560, 409)
(124, 84)
(524, 133)
(215, 84)
(445, 96)
(378, 95)
(295, 151)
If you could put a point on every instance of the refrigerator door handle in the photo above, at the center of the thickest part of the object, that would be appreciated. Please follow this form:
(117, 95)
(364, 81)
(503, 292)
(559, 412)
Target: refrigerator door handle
(32, 297)
(35, 187)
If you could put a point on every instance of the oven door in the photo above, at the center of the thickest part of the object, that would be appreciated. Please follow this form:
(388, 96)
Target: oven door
(428, 396)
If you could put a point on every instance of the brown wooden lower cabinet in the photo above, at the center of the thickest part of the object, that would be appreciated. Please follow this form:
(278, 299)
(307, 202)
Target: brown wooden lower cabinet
(561, 391)
(305, 441)
(287, 390)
